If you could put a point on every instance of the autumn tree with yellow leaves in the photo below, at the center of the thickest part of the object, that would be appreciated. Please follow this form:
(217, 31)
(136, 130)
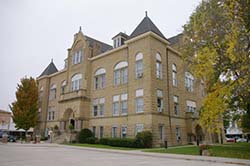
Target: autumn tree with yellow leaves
(25, 108)
(216, 40)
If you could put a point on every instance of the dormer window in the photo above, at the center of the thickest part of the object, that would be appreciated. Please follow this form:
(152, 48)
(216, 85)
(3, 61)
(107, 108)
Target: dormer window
(119, 39)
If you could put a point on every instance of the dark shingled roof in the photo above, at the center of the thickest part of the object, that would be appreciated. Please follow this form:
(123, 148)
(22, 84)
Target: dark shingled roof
(121, 34)
(175, 39)
(50, 69)
(146, 25)
(104, 47)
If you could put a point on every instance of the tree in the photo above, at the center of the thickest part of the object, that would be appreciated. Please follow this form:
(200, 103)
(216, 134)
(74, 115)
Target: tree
(25, 108)
(217, 43)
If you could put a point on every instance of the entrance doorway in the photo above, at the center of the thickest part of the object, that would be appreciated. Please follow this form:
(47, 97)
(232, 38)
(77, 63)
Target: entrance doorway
(72, 122)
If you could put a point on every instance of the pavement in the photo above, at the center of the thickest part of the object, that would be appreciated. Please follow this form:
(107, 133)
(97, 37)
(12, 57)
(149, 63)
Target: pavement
(13, 154)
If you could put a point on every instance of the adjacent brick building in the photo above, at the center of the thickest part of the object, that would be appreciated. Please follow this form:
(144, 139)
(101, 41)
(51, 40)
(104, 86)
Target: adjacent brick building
(141, 83)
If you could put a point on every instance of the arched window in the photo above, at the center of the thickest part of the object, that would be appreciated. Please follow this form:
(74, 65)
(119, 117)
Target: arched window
(174, 74)
(121, 73)
(77, 57)
(189, 82)
(100, 78)
(63, 86)
(76, 82)
(52, 92)
(139, 65)
(158, 66)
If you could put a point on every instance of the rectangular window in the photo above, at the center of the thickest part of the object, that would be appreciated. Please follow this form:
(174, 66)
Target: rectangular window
(117, 77)
(51, 114)
(138, 128)
(114, 132)
(139, 100)
(101, 132)
(191, 106)
(139, 69)
(161, 132)
(124, 75)
(116, 108)
(95, 107)
(101, 105)
(124, 104)
(159, 100)
(158, 70)
(52, 94)
(178, 134)
(116, 105)
(174, 75)
(139, 105)
(124, 132)
(176, 105)
(77, 57)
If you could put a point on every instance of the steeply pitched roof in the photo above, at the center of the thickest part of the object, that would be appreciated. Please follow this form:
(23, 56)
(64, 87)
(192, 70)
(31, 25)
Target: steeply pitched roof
(50, 69)
(175, 39)
(121, 34)
(104, 47)
(146, 25)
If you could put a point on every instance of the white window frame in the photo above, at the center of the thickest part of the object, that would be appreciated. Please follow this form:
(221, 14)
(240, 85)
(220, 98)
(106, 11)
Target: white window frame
(76, 81)
(174, 75)
(158, 66)
(139, 127)
(159, 94)
(139, 106)
(114, 131)
(124, 130)
(77, 57)
(178, 134)
(189, 82)
(116, 105)
(52, 92)
(121, 73)
(124, 104)
(100, 79)
(176, 105)
(139, 66)
(161, 132)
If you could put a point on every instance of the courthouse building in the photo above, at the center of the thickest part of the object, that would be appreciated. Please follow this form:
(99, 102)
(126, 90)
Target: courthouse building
(139, 83)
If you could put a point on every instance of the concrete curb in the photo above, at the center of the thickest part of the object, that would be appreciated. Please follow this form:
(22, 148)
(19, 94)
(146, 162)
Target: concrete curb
(165, 155)
(140, 153)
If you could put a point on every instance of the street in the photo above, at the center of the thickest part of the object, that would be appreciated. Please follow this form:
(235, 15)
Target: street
(53, 155)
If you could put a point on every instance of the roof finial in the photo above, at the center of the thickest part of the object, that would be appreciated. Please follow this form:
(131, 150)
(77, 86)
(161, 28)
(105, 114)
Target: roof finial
(146, 13)
(51, 60)
(80, 29)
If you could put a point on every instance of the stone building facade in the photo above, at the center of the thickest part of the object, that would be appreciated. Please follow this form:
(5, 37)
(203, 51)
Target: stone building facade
(141, 83)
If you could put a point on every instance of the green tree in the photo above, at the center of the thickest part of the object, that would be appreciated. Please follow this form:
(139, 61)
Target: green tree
(217, 43)
(25, 108)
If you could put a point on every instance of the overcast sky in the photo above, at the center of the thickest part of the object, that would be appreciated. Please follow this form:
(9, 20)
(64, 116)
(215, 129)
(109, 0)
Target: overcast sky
(34, 31)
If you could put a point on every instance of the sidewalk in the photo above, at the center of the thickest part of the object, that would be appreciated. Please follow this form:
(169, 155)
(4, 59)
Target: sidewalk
(140, 153)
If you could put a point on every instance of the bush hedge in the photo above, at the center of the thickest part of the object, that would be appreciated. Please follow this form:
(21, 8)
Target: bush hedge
(145, 138)
(84, 135)
(142, 140)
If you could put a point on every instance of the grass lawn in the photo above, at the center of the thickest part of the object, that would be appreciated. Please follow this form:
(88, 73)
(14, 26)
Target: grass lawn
(234, 150)
(102, 146)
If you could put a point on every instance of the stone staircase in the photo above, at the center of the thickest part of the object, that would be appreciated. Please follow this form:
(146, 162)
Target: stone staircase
(64, 137)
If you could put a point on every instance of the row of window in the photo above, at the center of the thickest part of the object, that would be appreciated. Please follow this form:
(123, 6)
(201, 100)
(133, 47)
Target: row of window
(114, 131)
(120, 104)
(138, 128)
(121, 75)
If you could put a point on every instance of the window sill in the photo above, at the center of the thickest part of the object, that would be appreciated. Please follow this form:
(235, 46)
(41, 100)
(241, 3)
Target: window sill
(124, 114)
(140, 112)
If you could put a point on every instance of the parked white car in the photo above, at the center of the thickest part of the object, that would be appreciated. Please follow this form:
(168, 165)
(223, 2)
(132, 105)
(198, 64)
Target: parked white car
(241, 140)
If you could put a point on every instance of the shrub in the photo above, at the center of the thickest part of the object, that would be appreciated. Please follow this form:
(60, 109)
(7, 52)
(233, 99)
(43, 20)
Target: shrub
(144, 139)
(120, 142)
(91, 140)
(56, 127)
(84, 134)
